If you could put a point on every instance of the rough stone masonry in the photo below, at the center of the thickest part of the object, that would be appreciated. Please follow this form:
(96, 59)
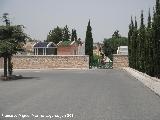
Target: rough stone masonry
(60, 62)
(50, 62)
(120, 61)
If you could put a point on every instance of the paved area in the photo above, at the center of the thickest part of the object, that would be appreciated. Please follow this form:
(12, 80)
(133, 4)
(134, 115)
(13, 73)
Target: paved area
(151, 82)
(77, 95)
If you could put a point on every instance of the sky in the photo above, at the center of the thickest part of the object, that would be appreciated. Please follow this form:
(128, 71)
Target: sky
(106, 16)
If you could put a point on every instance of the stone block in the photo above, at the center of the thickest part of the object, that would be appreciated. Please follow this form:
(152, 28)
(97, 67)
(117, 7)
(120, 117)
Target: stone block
(120, 61)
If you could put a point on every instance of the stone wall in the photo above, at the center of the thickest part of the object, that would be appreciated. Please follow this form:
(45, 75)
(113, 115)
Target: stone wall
(120, 61)
(51, 62)
(1, 63)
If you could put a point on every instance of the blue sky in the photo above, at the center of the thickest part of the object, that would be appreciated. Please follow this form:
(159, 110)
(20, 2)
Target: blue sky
(40, 16)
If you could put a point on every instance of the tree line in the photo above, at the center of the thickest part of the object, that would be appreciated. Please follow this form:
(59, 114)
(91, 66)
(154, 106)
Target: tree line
(61, 34)
(144, 43)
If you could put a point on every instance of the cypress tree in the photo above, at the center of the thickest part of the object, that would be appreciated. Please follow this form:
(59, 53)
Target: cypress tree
(149, 47)
(156, 39)
(157, 6)
(89, 43)
(134, 45)
(74, 35)
(153, 40)
(130, 33)
(156, 42)
(142, 45)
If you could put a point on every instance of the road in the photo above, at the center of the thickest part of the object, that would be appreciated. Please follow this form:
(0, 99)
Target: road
(77, 95)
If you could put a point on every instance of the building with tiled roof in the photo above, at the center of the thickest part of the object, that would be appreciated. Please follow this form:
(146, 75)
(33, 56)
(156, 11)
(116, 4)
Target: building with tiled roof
(45, 48)
(67, 48)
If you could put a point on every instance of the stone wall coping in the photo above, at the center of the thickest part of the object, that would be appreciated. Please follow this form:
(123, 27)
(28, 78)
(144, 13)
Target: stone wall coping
(119, 55)
(50, 55)
(35, 69)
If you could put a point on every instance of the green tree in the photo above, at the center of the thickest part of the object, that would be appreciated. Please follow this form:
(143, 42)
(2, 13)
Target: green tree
(130, 34)
(111, 45)
(107, 48)
(96, 59)
(11, 40)
(66, 34)
(148, 44)
(89, 43)
(142, 38)
(134, 44)
(10, 66)
(74, 35)
(156, 40)
(55, 35)
(149, 47)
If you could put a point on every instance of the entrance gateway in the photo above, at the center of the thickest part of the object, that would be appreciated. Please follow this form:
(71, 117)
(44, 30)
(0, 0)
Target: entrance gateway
(103, 63)
(106, 64)
(120, 59)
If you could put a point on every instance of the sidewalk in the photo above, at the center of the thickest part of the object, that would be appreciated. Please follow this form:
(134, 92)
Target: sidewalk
(151, 82)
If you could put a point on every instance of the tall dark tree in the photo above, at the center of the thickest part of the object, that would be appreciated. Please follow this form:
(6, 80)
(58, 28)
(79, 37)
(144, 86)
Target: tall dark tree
(156, 36)
(154, 41)
(55, 35)
(142, 37)
(134, 44)
(130, 34)
(66, 34)
(89, 43)
(148, 44)
(149, 47)
(74, 35)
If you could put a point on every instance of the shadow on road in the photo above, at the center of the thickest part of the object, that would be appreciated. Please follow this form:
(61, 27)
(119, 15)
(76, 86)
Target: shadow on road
(29, 77)
(19, 77)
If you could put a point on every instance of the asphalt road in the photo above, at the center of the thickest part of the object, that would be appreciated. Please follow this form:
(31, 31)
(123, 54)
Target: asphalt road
(77, 95)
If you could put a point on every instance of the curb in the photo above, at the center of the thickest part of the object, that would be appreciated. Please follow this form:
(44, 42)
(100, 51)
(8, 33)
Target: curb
(150, 82)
